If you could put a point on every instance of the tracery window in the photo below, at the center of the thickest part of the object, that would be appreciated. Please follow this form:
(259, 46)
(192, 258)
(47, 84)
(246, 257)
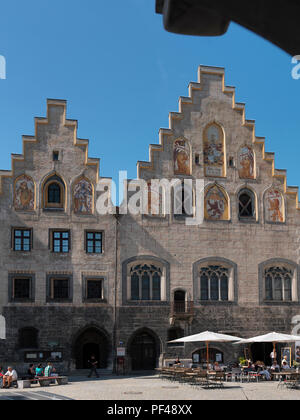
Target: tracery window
(278, 284)
(146, 282)
(214, 283)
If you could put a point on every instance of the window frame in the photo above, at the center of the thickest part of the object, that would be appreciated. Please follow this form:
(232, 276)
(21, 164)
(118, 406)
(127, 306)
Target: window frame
(295, 282)
(253, 198)
(86, 240)
(12, 277)
(126, 281)
(232, 281)
(50, 297)
(52, 240)
(13, 239)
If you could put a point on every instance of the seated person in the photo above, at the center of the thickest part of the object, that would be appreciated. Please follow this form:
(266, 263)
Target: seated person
(285, 365)
(39, 371)
(217, 367)
(264, 372)
(284, 360)
(177, 362)
(31, 372)
(50, 371)
(250, 367)
(275, 367)
(10, 377)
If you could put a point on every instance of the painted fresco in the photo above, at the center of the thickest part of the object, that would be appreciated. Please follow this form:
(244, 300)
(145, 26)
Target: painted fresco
(216, 204)
(182, 164)
(24, 196)
(246, 163)
(274, 206)
(214, 151)
(83, 197)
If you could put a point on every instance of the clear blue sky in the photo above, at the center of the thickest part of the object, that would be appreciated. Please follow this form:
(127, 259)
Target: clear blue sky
(122, 74)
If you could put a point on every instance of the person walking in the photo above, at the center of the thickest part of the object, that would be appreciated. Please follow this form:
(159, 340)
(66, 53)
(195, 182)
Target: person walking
(93, 363)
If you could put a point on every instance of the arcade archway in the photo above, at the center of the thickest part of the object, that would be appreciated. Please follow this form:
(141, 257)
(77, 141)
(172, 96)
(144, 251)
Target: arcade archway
(91, 341)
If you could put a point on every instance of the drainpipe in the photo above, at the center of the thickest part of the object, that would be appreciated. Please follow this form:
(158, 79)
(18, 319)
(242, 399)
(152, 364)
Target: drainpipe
(117, 216)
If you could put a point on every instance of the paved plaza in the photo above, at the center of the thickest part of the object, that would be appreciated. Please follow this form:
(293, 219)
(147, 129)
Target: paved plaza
(133, 388)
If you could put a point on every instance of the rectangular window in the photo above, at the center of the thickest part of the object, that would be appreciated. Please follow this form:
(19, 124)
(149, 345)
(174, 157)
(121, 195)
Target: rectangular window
(61, 242)
(21, 288)
(94, 289)
(94, 243)
(22, 240)
(60, 289)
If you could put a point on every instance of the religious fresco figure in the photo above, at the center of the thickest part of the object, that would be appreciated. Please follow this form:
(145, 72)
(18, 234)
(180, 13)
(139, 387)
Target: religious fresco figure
(83, 197)
(216, 204)
(24, 194)
(214, 151)
(246, 163)
(274, 206)
(182, 158)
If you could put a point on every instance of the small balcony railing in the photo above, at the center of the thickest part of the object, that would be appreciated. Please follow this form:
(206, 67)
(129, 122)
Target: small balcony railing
(182, 310)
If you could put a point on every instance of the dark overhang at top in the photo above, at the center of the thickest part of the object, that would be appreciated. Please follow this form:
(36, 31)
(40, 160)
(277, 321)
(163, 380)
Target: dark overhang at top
(275, 21)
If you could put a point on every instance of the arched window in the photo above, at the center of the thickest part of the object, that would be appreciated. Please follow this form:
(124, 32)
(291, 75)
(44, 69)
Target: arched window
(28, 338)
(54, 193)
(279, 281)
(145, 282)
(214, 281)
(247, 206)
(278, 284)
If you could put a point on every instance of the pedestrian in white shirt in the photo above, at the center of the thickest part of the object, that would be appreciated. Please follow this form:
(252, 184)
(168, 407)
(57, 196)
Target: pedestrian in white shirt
(10, 377)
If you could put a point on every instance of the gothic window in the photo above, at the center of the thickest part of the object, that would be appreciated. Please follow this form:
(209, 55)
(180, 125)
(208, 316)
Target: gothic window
(246, 200)
(278, 284)
(54, 193)
(146, 282)
(214, 283)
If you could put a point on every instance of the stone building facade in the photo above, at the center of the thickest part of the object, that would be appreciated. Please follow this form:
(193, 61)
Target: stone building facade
(75, 282)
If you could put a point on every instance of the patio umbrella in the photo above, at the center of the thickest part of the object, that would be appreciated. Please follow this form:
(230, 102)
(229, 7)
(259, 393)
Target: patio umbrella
(271, 338)
(207, 337)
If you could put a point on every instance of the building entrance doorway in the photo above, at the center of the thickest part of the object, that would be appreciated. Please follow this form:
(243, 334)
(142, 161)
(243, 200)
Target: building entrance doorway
(143, 352)
(262, 352)
(91, 342)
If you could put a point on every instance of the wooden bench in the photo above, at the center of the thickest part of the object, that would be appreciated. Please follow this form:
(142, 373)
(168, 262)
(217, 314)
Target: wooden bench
(43, 381)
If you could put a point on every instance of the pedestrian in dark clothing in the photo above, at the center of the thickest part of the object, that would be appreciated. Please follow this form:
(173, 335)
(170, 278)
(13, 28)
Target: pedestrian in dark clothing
(93, 363)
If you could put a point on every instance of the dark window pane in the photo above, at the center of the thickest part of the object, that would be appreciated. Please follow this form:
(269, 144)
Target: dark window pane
(269, 288)
(204, 287)
(246, 205)
(224, 287)
(22, 288)
(287, 288)
(146, 287)
(135, 287)
(156, 283)
(54, 193)
(60, 289)
(278, 288)
(94, 289)
(214, 287)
